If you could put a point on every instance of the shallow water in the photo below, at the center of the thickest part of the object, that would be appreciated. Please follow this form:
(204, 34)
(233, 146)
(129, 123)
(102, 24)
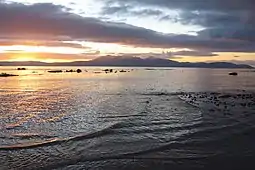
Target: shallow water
(132, 120)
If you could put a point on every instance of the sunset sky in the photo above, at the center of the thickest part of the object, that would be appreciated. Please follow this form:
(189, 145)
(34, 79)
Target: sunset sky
(74, 30)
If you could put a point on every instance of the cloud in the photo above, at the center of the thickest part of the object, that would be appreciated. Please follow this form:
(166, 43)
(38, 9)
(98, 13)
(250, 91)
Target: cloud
(194, 53)
(130, 11)
(30, 22)
(201, 12)
(10, 42)
(49, 22)
(145, 55)
(192, 5)
(12, 55)
(226, 19)
(109, 10)
(171, 55)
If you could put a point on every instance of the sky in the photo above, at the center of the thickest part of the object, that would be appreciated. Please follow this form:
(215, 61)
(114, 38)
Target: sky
(76, 30)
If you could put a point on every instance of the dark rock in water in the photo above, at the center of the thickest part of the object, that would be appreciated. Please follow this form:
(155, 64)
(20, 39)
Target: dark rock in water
(161, 94)
(123, 71)
(108, 70)
(21, 69)
(233, 74)
(150, 69)
(70, 71)
(225, 96)
(211, 110)
(243, 104)
(55, 71)
(7, 75)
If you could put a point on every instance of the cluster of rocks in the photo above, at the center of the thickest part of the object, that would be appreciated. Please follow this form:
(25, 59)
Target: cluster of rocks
(111, 71)
(108, 70)
(123, 71)
(116, 71)
(233, 73)
(55, 71)
(21, 69)
(72, 71)
(67, 71)
(7, 75)
(219, 101)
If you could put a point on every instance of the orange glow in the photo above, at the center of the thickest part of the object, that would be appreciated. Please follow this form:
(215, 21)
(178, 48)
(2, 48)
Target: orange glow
(23, 57)
(226, 56)
(110, 48)
(93, 50)
(48, 58)
(40, 49)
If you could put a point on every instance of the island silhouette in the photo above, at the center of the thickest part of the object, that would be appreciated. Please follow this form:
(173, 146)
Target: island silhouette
(123, 61)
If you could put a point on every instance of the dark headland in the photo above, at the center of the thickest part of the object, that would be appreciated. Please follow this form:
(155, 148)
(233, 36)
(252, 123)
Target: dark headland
(120, 61)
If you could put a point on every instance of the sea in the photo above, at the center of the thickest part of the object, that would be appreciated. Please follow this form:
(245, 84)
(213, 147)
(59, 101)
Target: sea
(131, 118)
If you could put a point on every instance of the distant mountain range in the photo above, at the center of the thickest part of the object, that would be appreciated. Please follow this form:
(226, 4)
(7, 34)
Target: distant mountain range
(121, 61)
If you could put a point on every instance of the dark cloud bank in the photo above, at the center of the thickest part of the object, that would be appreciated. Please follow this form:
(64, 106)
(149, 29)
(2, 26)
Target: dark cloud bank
(229, 25)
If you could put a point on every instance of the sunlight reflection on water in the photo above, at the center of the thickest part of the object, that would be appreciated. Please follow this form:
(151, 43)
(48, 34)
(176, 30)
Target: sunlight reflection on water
(139, 107)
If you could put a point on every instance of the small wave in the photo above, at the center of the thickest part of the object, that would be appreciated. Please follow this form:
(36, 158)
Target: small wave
(24, 136)
(13, 126)
(148, 94)
(121, 116)
(57, 141)
(154, 69)
(138, 155)
(29, 145)
(31, 135)
(161, 93)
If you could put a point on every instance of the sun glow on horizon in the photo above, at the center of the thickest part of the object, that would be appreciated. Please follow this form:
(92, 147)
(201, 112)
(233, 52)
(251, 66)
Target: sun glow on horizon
(223, 56)
(22, 57)
(92, 50)
(40, 49)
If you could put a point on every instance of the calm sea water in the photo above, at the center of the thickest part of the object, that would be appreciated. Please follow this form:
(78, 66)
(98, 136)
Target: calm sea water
(131, 120)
